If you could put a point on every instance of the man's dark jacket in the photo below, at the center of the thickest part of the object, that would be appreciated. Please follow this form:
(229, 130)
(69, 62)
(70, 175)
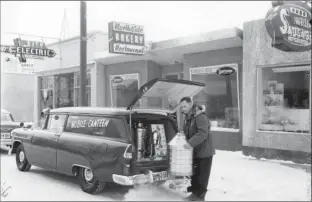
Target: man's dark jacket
(197, 131)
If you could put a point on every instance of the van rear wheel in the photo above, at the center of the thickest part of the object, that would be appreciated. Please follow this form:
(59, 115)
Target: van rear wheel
(89, 183)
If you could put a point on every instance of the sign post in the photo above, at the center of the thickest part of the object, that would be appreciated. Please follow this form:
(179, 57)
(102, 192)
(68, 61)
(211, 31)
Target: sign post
(126, 38)
(83, 53)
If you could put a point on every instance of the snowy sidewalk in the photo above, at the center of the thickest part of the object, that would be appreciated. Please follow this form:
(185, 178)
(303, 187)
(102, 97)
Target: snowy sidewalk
(233, 177)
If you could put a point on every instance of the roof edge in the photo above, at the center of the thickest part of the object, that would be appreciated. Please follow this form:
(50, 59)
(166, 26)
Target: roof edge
(77, 37)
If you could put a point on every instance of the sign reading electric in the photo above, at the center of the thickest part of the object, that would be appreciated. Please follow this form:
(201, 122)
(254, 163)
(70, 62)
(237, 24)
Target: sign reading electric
(288, 24)
(29, 48)
(126, 38)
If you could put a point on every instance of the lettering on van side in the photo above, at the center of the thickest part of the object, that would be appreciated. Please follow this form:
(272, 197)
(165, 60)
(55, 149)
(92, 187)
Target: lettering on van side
(94, 123)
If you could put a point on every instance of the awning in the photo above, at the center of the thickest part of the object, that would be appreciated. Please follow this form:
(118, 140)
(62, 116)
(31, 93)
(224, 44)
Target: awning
(172, 51)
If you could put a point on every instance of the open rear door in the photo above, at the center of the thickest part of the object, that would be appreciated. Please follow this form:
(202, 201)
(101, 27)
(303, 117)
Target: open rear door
(164, 94)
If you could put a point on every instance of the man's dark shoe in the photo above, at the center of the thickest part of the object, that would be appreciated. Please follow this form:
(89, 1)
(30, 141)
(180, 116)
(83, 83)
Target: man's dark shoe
(189, 189)
(202, 196)
(192, 197)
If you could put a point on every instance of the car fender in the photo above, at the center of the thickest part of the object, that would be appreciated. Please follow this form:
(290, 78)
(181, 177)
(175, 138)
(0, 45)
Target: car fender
(23, 136)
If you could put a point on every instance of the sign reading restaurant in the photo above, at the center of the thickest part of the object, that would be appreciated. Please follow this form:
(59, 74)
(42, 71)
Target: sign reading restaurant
(126, 38)
(288, 24)
(28, 49)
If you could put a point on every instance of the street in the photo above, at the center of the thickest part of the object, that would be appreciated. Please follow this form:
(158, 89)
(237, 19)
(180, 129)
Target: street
(233, 177)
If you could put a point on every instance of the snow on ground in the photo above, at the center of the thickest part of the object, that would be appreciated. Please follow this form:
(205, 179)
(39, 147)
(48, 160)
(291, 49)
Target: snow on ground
(233, 177)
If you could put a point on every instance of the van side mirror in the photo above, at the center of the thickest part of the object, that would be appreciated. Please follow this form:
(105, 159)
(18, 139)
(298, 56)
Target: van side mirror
(21, 124)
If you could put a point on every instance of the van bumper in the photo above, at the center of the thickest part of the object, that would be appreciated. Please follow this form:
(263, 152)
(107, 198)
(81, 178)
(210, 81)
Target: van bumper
(6, 144)
(149, 177)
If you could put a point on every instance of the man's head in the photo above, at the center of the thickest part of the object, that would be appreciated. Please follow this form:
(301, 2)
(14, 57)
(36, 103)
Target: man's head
(186, 104)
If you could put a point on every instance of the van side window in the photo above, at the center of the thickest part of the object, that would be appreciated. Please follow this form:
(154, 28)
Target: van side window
(55, 121)
(97, 126)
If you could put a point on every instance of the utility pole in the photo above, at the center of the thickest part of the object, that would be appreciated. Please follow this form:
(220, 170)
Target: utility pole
(83, 52)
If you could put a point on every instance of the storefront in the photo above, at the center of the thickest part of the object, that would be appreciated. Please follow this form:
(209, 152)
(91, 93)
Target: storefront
(196, 58)
(57, 80)
(256, 96)
(276, 98)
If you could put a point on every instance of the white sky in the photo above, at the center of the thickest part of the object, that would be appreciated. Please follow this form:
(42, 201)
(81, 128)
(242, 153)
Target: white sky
(162, 19)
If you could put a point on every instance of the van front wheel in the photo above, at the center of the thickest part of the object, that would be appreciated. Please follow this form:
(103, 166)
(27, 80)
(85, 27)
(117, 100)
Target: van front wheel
(88, 183)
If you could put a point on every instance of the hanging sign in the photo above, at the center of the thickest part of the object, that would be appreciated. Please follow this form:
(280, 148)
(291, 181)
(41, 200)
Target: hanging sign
(117, 79)
(24, 48)
(225, 71)
(288, 24)
(126, 38)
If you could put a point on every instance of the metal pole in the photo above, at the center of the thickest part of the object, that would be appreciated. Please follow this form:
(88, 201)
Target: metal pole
(83, 53)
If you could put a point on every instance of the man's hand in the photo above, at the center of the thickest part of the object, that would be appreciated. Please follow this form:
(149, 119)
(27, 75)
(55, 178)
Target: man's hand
(187, 146)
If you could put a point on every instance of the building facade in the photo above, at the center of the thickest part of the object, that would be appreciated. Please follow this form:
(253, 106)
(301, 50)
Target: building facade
(275, 129)
(57, 80)
(236, 104)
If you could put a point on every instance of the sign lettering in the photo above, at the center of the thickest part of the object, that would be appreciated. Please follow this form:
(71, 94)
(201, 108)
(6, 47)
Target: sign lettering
(289, 26)
(126, 38)
(28, 49)
(94, 123)
(225, 71)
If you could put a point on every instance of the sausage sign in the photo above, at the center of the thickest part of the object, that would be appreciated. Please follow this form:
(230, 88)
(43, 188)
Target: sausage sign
(289, 26)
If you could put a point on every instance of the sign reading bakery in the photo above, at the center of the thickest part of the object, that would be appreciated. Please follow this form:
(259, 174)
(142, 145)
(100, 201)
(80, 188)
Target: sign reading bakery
(288, 25)
(126, 38)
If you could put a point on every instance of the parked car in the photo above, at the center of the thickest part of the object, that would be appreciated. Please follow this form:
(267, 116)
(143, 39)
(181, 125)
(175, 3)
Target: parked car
(7, 126)
(127, 146)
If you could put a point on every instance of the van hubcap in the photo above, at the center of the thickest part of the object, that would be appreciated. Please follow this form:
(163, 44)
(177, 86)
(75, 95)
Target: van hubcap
(21, 156)
(88, 174)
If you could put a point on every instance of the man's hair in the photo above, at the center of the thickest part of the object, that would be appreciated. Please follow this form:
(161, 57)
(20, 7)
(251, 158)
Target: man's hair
(186, 99)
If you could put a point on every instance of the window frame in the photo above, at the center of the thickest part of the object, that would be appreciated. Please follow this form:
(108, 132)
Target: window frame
(48, 119)
(259, 86)
(212, 69)
(111, 77)
(121, 139)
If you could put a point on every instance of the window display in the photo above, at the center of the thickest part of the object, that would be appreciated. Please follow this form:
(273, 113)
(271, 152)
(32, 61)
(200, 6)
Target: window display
(220, 96)
(64, 91)
(123, 89)
(283, 102)
(46, 92)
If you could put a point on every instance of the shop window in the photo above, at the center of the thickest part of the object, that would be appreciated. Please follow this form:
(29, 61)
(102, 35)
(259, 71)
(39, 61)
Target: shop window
(123, 89)
(220, 96)
(64, 91)
(283, 99)
(77, 87)
(46, 92)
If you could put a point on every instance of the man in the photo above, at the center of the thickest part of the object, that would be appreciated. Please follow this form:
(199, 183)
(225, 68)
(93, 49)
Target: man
(197, 131)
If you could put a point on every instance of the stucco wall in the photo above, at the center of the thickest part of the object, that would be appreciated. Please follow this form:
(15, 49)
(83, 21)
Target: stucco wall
(257, 51)
(153, 70)
(68, 53)
(17, 95)
(169, 69)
